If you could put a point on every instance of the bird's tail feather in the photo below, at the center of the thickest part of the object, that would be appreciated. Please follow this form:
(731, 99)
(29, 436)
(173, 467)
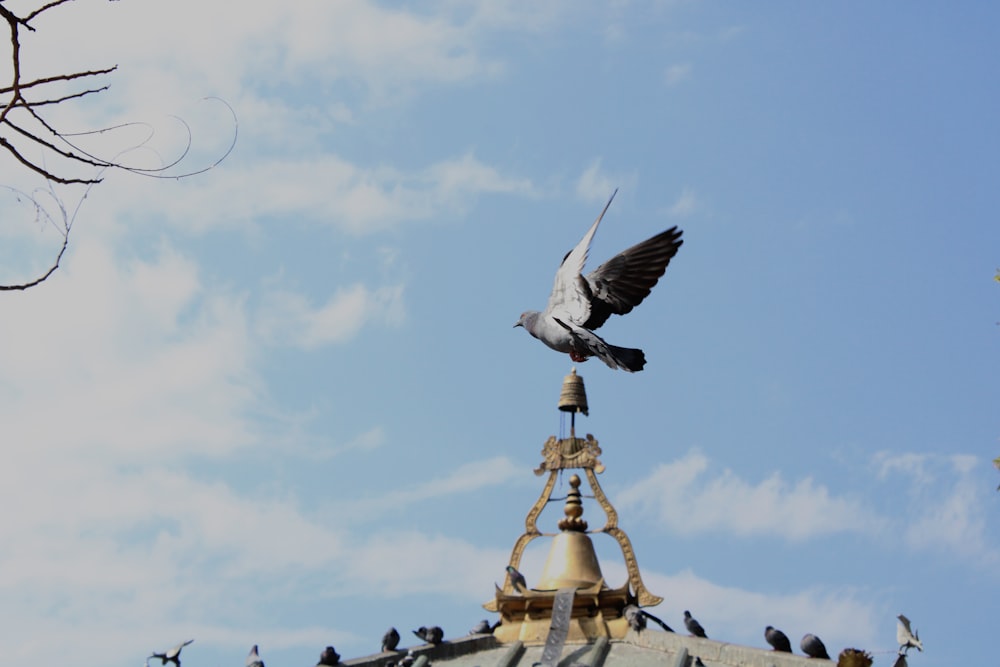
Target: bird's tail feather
(627, 358)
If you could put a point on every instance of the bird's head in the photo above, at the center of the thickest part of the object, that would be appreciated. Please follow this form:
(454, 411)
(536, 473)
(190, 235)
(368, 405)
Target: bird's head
(526, 319)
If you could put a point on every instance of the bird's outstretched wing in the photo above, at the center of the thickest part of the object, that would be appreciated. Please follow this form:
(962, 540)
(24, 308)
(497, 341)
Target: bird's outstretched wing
(570, 298)
(175, 651)
(621, 283)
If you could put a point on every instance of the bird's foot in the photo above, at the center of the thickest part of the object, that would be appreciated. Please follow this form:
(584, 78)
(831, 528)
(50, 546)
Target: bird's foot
(578, 357)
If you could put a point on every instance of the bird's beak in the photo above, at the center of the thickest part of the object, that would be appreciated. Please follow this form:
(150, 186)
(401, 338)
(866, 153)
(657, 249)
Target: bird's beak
(519, 323)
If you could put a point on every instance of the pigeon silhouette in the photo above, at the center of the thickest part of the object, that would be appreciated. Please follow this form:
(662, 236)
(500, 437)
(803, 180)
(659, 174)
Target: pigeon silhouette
(777, 639)
(693, 626)
(390, 640)
(580, 304)
(172, 654)
(906, 638)
(431, 635)
(253, 659)
(483, 627)
(813, 646)
(329, 657)
(517, 579)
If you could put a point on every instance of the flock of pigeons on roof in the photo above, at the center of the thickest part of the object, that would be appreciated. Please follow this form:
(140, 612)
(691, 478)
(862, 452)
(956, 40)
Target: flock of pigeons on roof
(811, 645)
(580, 304)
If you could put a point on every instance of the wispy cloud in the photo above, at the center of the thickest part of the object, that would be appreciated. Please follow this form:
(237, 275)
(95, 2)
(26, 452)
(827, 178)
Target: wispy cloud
(677, 73)
(840, 616)
(686, 497)
(686, 204)
(466, 478)
(596, 184)
(946, 508)
(287, 318)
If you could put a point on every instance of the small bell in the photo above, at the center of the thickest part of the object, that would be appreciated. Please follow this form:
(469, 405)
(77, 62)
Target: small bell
(573, 397)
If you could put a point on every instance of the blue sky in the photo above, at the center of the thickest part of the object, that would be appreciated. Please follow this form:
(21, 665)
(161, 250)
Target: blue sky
(283, 403)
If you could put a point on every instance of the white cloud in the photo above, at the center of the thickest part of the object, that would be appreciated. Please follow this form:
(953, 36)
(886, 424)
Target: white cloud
(466, 478)
(839, 616)
(287, 318)
(676, 74)
(596, 185)
(100, 353)
(946, 508)
(686, 204)
(689, 499)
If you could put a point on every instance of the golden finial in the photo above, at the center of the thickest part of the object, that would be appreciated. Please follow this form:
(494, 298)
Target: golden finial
(574, 508)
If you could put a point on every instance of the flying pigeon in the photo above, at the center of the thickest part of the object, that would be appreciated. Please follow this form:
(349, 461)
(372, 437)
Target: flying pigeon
(777, 639)
(517, 579)
(328, 657)
(431, 635)
(580, 304)
(693, 626)
(171, 655)
(813, 646)
(253, 659)
(635, 619)
(906, 638)
(390, 640)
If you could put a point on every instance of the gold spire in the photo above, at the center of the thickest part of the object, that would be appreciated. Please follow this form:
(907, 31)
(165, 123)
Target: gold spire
(526, 613)
(572, 560)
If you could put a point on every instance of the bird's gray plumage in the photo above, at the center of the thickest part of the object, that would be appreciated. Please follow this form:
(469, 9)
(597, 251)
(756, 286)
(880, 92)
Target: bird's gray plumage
(777, 639)
(253, 658)
(483, 627)
(813, 646)
(329, 657)
(635, 618)
(693, 626)
(390, 640)
(431, 635)
(580, 304)
(517, 579)
(907, 638)
(172, 654)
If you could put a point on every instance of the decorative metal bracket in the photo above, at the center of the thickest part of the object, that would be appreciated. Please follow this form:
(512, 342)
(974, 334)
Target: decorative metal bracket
(570, 453)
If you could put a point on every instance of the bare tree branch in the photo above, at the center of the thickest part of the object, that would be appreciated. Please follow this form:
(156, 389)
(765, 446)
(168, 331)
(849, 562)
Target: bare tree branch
(24, 132)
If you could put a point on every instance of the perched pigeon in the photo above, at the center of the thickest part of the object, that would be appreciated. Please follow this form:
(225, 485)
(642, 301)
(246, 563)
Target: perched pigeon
(777, 639)
(635, 618)
(693, 626)
(431, 635)
(580, 304)
(253, 659)
(906, 638)
(329, 657)
(171, 655)
(483, 627)
(390, 640)
(813, 646)
(517, 579)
